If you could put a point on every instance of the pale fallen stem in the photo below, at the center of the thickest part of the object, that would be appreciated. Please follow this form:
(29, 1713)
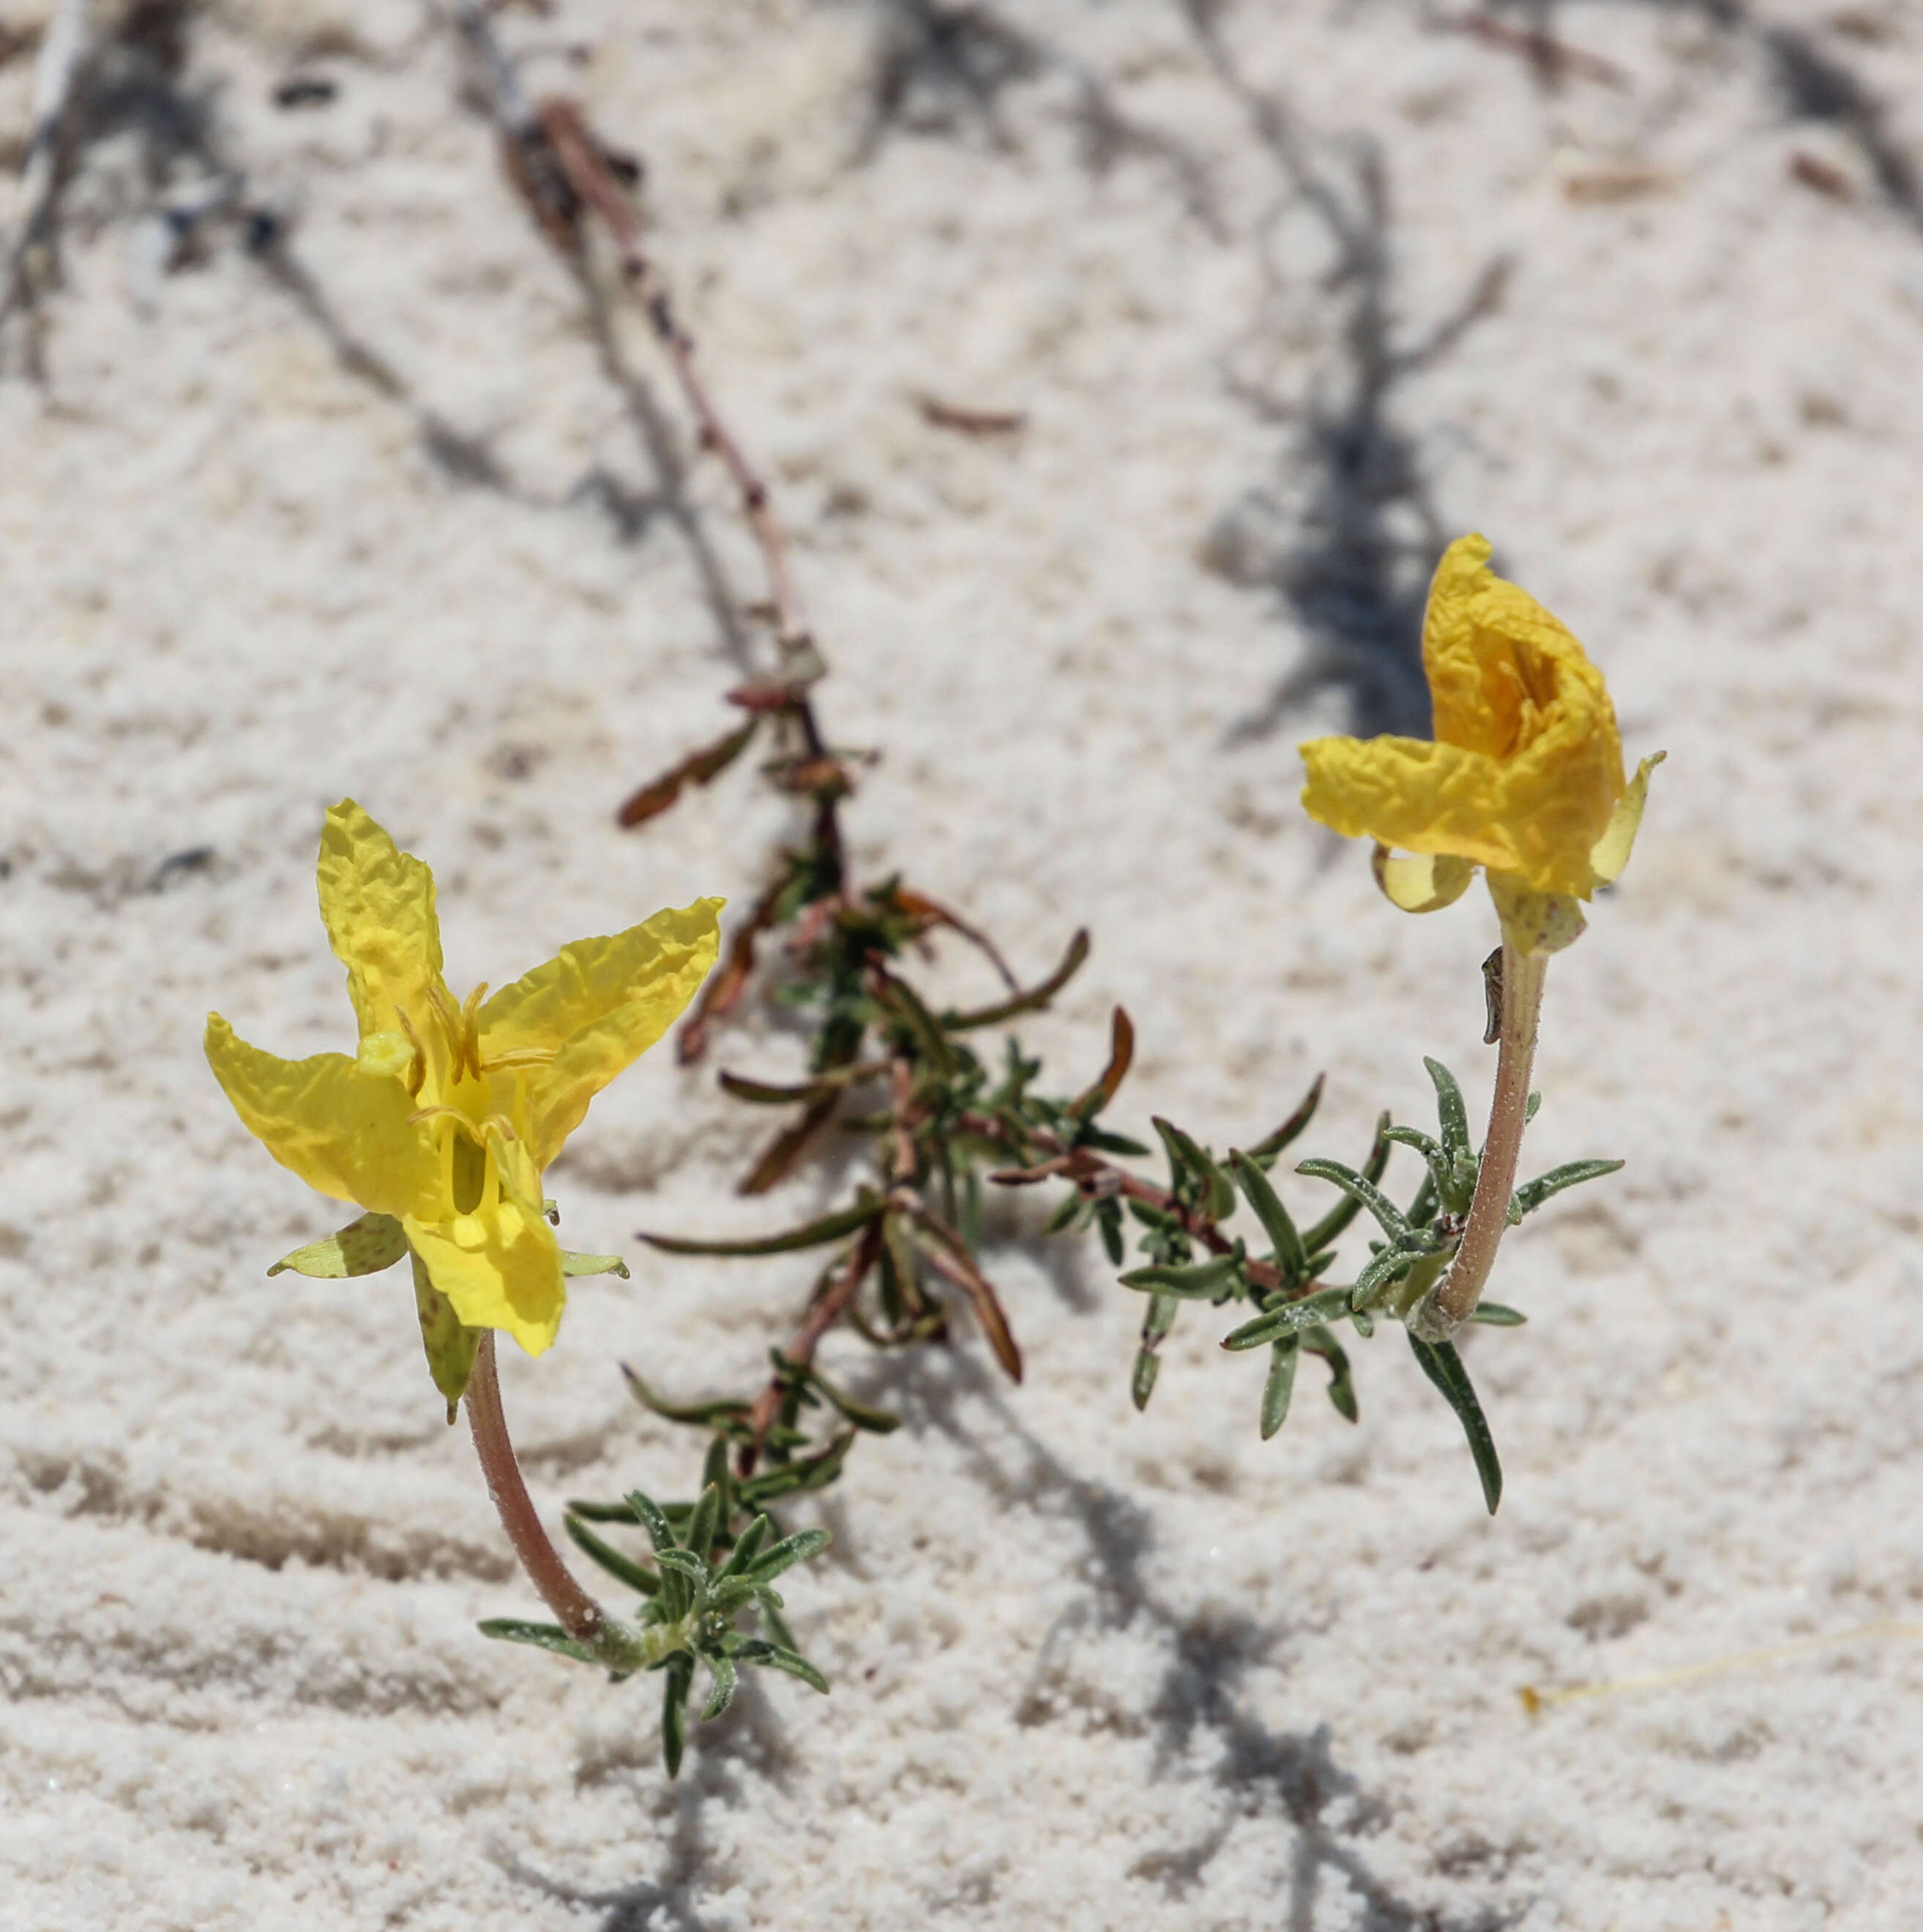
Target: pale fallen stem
(1534, 1700)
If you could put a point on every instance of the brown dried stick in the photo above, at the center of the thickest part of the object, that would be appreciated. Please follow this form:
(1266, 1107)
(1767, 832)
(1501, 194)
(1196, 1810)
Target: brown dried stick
(588, 174)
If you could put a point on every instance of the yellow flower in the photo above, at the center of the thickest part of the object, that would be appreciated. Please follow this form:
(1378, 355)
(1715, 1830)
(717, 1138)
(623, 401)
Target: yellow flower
(446, 1117)
(1524, 776)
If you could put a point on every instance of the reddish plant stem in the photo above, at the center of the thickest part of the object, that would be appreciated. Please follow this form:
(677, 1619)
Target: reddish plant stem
(577, 1613)
(1095, 1177)
(588, 175)
(557, 125)
(1458, 1292)
(823, 1312)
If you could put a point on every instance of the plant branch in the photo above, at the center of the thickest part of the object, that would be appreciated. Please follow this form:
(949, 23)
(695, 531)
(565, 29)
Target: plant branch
(588, 175)
(826, 1308)
(578, 1612)
(1454, 1298)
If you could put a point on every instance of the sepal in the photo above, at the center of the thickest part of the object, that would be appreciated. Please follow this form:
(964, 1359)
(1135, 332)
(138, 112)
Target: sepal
(365, 1246)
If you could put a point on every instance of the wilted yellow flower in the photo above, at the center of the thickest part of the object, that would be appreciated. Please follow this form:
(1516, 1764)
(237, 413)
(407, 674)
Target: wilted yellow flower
(443, 1120)
(1524, 776)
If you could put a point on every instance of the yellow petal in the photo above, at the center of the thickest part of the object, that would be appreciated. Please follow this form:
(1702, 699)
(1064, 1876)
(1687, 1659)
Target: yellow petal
(343, 1131)
(597, 1007)
(378, 903)
(1613, 849)
(1507, 681)
(499, 1267)
(1411, 793)
(1424, 884)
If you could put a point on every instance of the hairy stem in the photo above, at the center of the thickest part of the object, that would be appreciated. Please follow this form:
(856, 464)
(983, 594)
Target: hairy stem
(1523, 974)
(578, 1612)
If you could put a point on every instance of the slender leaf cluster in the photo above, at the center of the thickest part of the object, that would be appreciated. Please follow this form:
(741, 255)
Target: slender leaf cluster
(691, 1596)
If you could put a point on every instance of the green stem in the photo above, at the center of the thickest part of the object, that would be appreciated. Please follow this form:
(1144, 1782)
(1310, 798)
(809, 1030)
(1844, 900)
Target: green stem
(1458, 1292)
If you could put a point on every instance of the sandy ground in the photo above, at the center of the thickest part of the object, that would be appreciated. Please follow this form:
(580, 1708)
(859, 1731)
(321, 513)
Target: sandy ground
(380, 521)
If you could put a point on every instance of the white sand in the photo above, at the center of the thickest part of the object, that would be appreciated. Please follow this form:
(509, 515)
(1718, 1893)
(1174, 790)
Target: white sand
(1091, 1669)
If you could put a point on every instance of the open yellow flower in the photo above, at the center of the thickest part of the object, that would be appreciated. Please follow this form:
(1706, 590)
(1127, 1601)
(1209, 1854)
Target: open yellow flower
(444, 1120)
(1524, 776)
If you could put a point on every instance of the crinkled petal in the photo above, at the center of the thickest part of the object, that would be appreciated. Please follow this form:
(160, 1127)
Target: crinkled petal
(1507, 681)
(378, 903)
(343, 1131)
(1613, 849)
(1426, 884)
(499, 1267)
(597, 1007)
(1493, 656)
(1411, 792)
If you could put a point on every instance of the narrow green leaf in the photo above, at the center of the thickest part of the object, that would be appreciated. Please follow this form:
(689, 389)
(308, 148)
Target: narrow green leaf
(682, 1563)
(902, 1000)
(1109, 1217)
(780, 1656)
(1434, 1154)
(1341, 1386)
(747, 1547)
(1280, 1384)
(590, 1512)
(1264, 1151)
(776, 1625)
(726, 1677)
(1070, 1208)
(543, 1636)
(1362, 1189)
(577, 1264)
(1104, 1142)
(790, 1551)
(1159, 1319)
(1338, 1218)
(1290, 1256)
(1450, 1109)
(1444, 1367)
(1024, 1003)
(679, 1676)
(624, 1569)
(365, 1246)
(807, 1472)
(715, 1475)
(705, 1526)
(1274, 1323)
(812, 1234)
(1531, 1194)
(1192, 1281)
(701, 1415)
(876, 1421)
(651, 1519)
(761, 1094)
(1141, 1378)
(1495, 1315)
(1217, 1193)
(1374, 1279)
